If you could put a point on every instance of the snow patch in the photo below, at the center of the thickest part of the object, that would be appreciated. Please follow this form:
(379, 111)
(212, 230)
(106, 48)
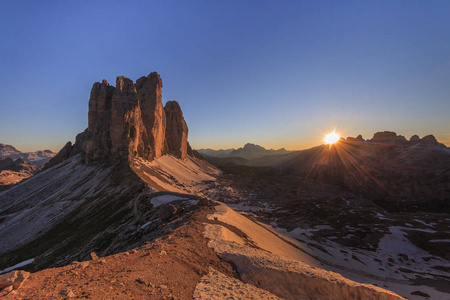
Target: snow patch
(163, 199)
(19, 265)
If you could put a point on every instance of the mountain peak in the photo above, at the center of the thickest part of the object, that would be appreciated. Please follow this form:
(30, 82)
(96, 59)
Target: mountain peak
(128, 121)
(253, 146)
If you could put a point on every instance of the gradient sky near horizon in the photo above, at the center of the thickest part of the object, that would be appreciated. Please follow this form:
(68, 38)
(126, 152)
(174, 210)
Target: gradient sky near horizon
(274, 73)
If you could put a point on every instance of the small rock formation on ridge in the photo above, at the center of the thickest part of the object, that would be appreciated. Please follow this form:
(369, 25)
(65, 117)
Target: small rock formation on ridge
(129, 121)
(388, 137)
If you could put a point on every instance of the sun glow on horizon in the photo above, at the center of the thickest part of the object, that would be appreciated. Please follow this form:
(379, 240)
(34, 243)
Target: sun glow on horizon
(331, 138)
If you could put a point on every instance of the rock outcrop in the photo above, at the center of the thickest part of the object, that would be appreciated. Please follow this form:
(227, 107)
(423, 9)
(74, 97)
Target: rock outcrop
(17, 165)
(415, 139)
(388, 137)
(430, 141)
(6, 163)
(14, 279)
(62, 155)
(176, 130)
(129, 121)
(359, 138)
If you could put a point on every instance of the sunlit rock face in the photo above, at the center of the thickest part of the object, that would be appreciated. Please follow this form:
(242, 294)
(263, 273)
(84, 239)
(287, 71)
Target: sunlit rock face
(149, 90)
(129, 121)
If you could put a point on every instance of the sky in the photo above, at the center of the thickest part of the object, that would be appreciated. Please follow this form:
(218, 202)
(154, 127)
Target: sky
(275, 73)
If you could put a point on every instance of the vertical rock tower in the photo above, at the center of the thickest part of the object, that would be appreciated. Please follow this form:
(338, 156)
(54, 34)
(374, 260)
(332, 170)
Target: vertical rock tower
(176, 130)
(129, 121)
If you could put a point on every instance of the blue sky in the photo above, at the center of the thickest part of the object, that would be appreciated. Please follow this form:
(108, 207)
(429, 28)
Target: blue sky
(275, 73)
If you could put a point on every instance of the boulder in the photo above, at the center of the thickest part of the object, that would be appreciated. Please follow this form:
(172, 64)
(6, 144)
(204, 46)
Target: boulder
(166, 211)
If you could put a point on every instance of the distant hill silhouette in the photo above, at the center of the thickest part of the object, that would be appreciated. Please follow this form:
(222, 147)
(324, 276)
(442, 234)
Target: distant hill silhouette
(249, 151)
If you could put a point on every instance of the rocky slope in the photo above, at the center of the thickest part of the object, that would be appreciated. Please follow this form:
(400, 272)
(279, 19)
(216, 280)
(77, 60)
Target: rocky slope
(397, 174)
(171, 267)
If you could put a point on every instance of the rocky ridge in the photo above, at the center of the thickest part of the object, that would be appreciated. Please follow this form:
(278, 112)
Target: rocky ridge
(390, 137)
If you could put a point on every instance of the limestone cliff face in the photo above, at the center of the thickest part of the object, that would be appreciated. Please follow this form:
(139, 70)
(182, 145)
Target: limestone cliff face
(176, 130)
(127, 132)
(149, 91)
(129, 121)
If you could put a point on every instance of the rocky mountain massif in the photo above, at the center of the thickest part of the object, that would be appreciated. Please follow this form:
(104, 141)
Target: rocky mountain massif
(38, 158)
(129, 121)
(16, 165)
(127, 212)
(397, 174)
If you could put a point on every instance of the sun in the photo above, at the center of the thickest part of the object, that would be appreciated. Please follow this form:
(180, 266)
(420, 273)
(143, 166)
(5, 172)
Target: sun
(331, 138)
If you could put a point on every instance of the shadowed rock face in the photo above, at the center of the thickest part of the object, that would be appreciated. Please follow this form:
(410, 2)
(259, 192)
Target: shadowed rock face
(388, 137)
(176, 131)
(127, 132)
(415, 139)
(100, 100)
(129, 121)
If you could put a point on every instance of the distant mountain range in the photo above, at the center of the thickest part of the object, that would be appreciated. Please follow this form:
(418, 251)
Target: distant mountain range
(16, 165)
(38, 158)
(249, 151)
(384, 169)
